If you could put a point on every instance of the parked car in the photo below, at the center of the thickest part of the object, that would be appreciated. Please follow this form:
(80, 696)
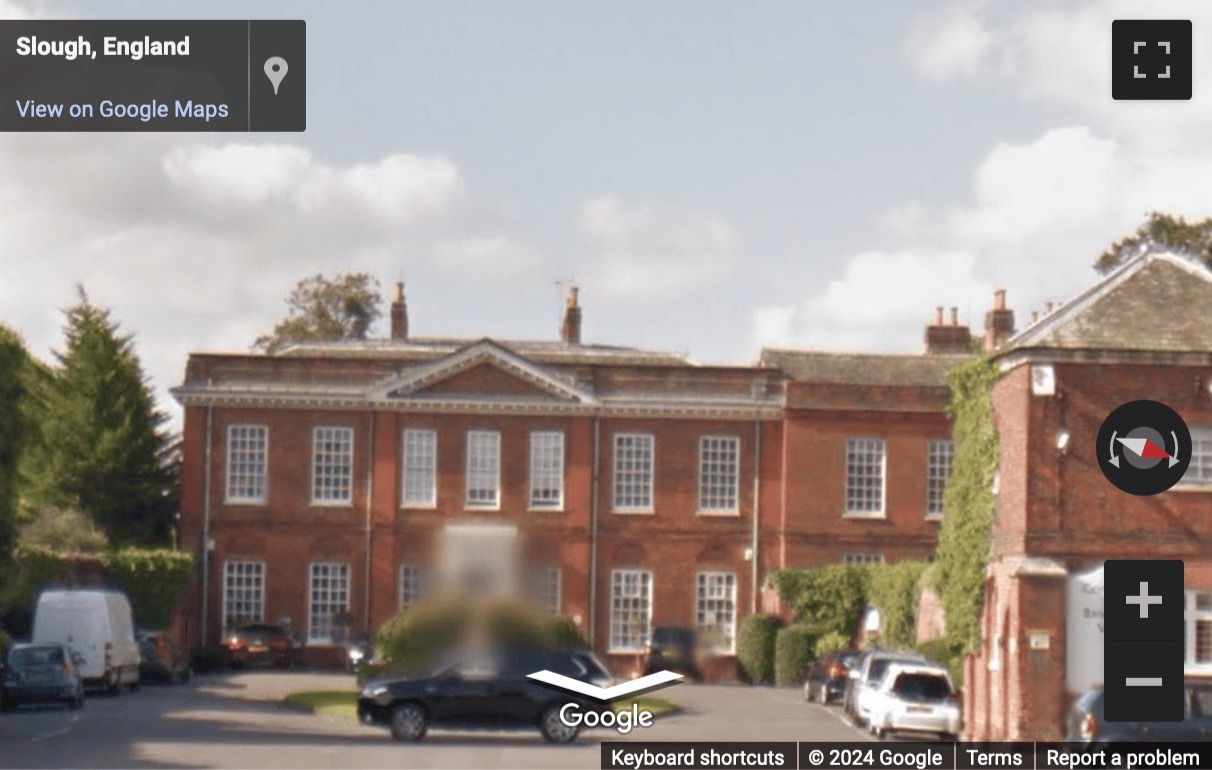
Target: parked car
(673, 648)
(258, 643)
(97, 624)
(827, 676)
(43, 673)
(871, 670)
(161, 660)
(1087, 724)
(914, 697)
(485, 689)
(357, 650)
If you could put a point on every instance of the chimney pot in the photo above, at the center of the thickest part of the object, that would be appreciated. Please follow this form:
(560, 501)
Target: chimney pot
(1048, 306)
(1034, 316)
(999, 299)
(938, 316)
(955, 316)
(399, 314)
(570, 331)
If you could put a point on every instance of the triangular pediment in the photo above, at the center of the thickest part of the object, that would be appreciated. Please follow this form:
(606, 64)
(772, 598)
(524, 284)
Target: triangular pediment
(1160, 302)
(483, 370)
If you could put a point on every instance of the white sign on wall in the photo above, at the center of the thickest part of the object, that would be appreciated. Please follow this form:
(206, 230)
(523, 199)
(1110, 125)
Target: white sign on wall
(1084, 630)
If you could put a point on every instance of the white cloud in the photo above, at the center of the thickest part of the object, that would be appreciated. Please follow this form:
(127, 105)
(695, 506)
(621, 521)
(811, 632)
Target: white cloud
(950, 43)
(883, 300)
(195, 243)
(1038, 212)
(496, 256)
(643, 250)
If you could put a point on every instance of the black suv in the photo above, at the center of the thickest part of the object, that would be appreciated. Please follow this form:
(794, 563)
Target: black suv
(485, 689)
(1087, 724)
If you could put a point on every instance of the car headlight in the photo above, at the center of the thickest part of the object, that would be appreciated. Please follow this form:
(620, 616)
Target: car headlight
(373, 691)
(355, 655)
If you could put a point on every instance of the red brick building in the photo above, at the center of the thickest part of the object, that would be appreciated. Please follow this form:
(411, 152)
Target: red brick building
(1142, 332)
(626, 489)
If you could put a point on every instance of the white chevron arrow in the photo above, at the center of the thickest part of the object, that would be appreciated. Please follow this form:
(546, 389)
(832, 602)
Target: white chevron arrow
(604, 694)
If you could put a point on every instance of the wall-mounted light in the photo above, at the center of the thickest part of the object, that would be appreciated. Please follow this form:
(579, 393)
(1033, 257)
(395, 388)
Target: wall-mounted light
(1062, 440)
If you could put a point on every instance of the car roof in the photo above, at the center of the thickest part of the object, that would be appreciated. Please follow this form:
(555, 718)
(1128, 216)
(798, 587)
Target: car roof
(35, 645)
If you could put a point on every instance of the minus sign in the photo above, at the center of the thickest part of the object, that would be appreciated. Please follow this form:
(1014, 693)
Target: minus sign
(1143, 681)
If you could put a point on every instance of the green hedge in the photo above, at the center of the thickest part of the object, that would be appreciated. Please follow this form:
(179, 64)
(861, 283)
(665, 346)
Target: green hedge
(895, 589)
(830, 597)
(793, 650)
(755, 647)
(830, 641)
(949, 652)
(153, 578)
(417, 638)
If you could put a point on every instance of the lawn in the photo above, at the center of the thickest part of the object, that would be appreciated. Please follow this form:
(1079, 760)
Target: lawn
(344, 703)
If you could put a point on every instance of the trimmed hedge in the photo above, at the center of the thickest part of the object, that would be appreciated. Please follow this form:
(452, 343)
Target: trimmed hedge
(831, 641)
(153, 578)
(755, 647)
(417, 638)
(830, 597)
(793, 649)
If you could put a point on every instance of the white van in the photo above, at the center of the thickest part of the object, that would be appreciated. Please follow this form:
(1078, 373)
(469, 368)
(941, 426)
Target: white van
(97, 624)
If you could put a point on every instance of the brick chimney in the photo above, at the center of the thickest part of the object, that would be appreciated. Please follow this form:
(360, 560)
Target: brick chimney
(399, 314)
(999, 322)
(570, 332)
(947, 338)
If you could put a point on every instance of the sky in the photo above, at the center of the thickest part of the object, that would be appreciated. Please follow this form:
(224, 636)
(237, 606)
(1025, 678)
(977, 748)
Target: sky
(715, 176)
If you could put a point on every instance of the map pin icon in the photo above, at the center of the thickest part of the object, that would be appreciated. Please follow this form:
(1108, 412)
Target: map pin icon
(275, 70)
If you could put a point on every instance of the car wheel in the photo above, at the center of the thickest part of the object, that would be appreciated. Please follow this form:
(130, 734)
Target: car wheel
(822, 696)
(409, 722)
(807, 693)
(555, 730)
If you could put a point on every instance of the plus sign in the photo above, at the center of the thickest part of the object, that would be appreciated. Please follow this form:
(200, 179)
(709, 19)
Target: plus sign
(1144, 600)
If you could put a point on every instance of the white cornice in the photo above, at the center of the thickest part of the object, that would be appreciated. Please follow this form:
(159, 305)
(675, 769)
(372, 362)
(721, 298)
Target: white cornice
(417, 378)
(685, 409)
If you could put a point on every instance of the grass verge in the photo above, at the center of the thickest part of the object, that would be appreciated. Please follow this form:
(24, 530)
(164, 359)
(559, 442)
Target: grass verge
(338, 703)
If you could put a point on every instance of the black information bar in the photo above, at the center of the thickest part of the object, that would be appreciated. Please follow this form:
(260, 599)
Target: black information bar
(918, 755)
(153, 75)
(698, 756)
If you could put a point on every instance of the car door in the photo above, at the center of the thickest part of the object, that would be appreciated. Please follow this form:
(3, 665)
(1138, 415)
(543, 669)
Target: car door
(465, 692)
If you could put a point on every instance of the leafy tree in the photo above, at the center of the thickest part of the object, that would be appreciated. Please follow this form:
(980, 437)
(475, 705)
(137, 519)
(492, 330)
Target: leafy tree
(968, 502)
(1161, 232)
(100, 446)
(323, 309)
(63, 531)
(14, 362)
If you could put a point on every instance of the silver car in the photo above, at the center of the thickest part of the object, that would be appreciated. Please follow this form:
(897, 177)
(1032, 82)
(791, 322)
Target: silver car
(871, 671)
(917, 698)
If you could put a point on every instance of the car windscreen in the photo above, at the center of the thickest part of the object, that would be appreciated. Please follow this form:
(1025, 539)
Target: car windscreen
(879, 667)
(36, 656)
(922, 688)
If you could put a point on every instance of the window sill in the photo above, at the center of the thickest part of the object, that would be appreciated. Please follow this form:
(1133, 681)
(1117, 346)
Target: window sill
(873, 516)
(625, 651)
(735, 514)
(244, 501)
(419, 506)
(331, 504)
(1189, 487)
(934, 517)
(634, 511)
(545, 509)
(481, 506)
